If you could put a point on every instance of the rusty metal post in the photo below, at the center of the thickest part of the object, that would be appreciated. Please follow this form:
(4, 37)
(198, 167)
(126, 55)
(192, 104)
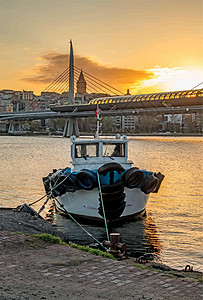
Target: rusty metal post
(116, 248)
(114, 240)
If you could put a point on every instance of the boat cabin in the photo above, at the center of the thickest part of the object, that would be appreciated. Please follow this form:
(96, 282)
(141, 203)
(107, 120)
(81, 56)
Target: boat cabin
(93, 153)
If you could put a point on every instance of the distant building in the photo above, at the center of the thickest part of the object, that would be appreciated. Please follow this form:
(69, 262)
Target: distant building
(81, 84)
(81, 89)
(25, 95)
(176, 118)
(125, 123)
(7, 92)
(49, 94)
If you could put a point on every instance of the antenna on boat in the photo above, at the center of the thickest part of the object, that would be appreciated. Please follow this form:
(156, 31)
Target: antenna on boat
(98, 131)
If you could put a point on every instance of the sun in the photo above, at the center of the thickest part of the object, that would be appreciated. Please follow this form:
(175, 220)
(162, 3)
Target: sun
(172, 79)
(191, 80)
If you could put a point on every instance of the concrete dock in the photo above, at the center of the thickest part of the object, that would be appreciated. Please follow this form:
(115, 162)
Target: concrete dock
(35, 269)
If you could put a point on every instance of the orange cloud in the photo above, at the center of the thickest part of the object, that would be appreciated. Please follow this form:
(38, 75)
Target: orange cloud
(53, 64)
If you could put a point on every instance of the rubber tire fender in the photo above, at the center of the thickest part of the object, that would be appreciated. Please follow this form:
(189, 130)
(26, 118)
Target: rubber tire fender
(113, 204)
(69, 180)
(149, 184)
(103, 170)
(160, 177)
(113, 195)
(110, 188)
(113, 214)
(46, 182)
(85, 179)
(108, 198)
(133, 177)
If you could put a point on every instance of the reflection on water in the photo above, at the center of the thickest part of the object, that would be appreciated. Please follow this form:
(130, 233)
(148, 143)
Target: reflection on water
(140, 235)
(173, 226)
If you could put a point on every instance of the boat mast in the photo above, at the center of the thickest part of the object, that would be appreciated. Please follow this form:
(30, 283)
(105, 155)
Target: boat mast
(98, 111)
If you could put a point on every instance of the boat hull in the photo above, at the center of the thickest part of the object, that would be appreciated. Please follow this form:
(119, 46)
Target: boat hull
(85, 204)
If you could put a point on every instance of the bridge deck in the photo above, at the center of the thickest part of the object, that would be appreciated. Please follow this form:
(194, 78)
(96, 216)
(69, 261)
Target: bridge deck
(126, 102)
(182, 102)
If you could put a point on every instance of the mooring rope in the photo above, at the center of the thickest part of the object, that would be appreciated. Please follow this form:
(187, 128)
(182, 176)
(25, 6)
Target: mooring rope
(88, 233)
(102, 202)
(37, 200)
(50, 194)
(43, 206)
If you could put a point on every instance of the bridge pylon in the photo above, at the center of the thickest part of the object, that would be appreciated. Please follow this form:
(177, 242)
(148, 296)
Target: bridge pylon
(15, 128)
(71, 126)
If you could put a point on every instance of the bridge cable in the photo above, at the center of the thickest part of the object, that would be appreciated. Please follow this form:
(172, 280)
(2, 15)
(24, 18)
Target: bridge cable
(63, 83)
(97, 85)
(64, 76)
(197, 85)
(55, 84)
(55, 80)
(89, 84)
(101, 81)
(92, 85)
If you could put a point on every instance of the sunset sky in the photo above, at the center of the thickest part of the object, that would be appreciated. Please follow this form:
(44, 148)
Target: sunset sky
(144, 45)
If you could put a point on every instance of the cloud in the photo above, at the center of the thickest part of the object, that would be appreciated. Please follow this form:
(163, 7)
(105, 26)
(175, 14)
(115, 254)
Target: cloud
(53, 64)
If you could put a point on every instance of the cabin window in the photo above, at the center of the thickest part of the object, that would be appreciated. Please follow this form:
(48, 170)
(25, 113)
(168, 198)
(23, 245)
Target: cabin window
(114, 150)
(84, 150)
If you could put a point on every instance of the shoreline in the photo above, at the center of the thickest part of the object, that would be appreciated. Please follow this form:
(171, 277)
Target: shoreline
(35, 268)
(112, 134)
(15, 222)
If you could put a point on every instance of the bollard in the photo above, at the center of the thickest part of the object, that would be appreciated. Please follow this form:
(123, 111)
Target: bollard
(117, 249)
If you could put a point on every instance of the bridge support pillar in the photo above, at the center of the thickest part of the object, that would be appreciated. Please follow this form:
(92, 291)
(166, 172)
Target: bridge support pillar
(15, 128)
(43, 123)
(71, 128)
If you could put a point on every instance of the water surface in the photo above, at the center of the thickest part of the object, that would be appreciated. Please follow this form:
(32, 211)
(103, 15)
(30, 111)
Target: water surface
(172, 228)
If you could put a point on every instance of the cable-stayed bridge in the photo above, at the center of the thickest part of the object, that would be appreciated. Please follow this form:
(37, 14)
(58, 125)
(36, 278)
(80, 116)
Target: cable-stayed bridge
(112, 103)
(94, 86)
(183, 102)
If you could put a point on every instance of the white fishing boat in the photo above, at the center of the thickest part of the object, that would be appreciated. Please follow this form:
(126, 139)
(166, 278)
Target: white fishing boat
(102, 182)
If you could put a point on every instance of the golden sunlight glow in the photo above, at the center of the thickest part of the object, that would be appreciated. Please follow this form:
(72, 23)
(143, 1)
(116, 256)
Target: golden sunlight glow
(170, 79)
(144, 46)
(188, 81)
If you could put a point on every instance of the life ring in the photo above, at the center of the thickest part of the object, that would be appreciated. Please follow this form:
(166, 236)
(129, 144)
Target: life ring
(132, 177)
(110, 188)
(103, 170)
(149, 184)
(86, 179)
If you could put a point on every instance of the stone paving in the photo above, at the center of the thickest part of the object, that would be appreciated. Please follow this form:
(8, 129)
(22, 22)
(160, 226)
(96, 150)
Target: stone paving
(61, 272)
